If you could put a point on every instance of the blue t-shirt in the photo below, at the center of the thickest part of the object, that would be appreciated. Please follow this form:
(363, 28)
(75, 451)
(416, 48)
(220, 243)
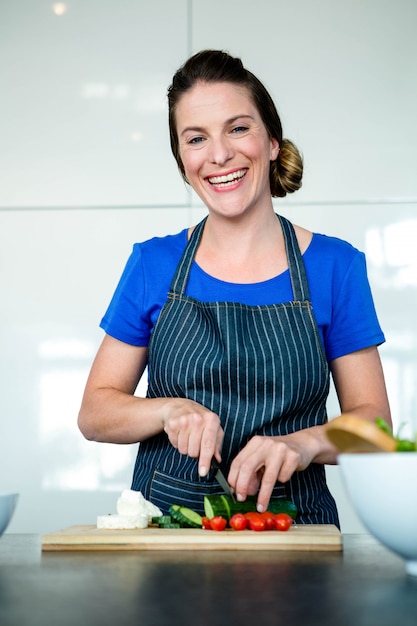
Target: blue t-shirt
(336, 272)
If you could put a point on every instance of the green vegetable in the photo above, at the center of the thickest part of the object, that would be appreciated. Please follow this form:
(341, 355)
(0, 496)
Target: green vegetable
(162, 519)
(381, 423)
(170, 525)
(224, 506)
(403, 445)
(185, 516)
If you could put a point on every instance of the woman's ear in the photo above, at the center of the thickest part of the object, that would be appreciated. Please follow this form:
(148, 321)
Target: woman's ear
(274, 149)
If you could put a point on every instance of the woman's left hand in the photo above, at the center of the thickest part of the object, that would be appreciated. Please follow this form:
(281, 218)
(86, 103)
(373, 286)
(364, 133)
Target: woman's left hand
(264, 461)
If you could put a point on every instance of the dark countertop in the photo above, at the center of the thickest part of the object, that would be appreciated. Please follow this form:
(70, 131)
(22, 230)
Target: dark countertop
(365, 585)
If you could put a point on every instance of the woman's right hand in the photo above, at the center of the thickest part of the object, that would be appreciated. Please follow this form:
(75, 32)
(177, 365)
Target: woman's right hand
(193, 430)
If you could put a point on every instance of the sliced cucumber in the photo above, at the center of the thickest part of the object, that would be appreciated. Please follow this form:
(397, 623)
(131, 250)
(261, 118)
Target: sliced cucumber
(162, 519)
(174, 512)
(170, 525)
(280, 505)
(218, 505)
(185, 516)
(222, 504)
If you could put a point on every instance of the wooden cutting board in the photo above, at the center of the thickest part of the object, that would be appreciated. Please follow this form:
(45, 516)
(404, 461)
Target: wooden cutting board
(303, 537)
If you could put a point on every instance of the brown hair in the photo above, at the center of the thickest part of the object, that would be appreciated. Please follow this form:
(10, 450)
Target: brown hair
(286, 171)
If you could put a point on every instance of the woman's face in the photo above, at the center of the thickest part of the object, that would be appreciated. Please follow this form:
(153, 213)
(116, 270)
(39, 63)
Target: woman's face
(225, 148)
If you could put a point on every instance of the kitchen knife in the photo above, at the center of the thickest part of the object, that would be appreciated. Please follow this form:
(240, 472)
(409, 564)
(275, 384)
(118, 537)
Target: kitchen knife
(219, 476)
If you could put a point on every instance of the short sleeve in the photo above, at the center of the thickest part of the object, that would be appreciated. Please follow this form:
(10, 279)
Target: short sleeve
(354, 323)
(143, 289)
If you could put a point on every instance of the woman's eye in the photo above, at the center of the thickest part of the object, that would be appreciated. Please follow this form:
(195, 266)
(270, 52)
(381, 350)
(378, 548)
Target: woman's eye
(239, 129)
(195, 140)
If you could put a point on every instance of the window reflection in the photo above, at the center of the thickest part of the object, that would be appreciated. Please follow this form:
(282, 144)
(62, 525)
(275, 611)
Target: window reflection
(392, 264)
(74, 463)
(393, 253)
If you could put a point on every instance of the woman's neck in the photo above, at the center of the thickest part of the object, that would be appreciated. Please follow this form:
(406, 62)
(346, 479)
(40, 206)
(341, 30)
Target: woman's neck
(242, 250)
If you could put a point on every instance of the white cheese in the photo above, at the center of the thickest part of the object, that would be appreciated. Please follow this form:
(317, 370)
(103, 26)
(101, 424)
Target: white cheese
(122, 522)
(131, 503)
(152, 510)
(133, 511)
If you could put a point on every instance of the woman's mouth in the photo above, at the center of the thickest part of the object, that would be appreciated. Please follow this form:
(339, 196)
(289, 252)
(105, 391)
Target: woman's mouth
(227, 180)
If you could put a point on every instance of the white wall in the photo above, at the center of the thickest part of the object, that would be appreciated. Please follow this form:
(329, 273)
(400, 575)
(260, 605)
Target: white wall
(85, 170)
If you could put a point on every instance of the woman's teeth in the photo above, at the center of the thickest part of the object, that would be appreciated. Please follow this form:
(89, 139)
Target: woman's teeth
(223, 181)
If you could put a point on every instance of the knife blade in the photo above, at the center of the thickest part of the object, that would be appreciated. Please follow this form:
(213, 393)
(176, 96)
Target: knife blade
(219, 476)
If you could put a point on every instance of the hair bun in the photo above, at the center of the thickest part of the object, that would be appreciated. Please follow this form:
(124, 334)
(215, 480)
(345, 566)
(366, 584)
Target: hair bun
(287, 170)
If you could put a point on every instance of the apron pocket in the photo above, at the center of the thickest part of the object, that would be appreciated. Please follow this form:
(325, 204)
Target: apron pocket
(167, 490)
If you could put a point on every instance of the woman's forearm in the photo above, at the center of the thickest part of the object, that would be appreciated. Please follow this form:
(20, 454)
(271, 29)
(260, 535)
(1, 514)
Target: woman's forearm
(112, 416)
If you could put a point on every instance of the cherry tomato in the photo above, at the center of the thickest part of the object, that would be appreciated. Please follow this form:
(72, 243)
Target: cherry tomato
(250, 514)
(256, 521)
(218, 522)
(206, 523)
(238, 522)
(269, 518)
(283, 521)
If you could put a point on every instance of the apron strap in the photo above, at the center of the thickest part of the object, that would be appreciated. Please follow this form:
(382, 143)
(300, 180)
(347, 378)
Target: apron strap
(179, 282)
(295, 261)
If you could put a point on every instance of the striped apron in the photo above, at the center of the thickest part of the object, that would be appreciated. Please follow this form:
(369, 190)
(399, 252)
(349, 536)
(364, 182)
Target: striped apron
(261, 369)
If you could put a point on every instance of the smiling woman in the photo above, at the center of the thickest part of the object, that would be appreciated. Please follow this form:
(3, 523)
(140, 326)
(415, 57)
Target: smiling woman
(215, 67)
(241, 319)
(225, 157)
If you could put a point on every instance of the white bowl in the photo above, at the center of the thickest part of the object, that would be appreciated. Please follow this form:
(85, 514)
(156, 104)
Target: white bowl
(383, 490)
(8, 503)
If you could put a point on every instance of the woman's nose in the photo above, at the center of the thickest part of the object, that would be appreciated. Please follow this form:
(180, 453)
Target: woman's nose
(221, 151)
